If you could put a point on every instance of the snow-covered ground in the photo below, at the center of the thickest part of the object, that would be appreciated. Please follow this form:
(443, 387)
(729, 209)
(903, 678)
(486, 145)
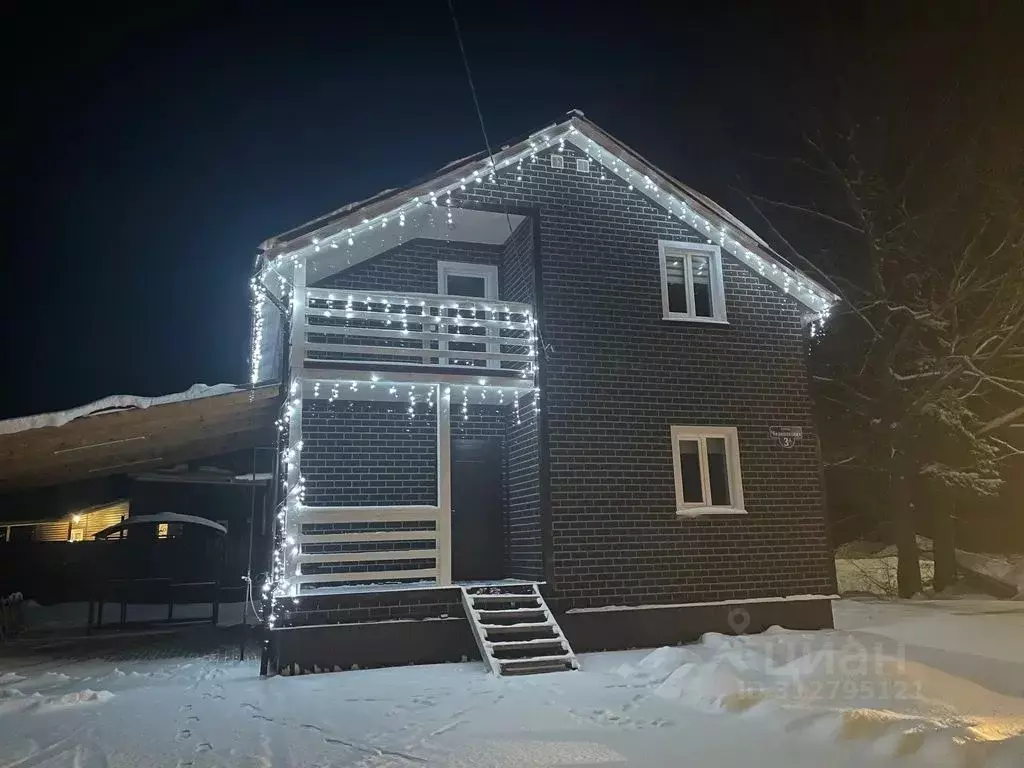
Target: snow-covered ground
(898, 684)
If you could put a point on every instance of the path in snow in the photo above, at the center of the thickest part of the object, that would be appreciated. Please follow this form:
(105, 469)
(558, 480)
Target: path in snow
(778, 699)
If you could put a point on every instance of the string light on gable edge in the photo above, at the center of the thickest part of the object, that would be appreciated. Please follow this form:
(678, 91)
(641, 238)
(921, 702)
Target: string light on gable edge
(789, 281)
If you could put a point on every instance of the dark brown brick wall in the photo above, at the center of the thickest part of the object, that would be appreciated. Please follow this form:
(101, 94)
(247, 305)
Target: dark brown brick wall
(412, 266)
(368, 453)
(618, 377)
(517, 265)
(379, 606)
(524, 558)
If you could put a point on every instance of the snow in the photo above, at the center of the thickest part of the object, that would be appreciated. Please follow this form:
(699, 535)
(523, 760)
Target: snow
(866, 568)
(785, 598)
(256, 476)
(1008, 569)
(875, 575)
(111, 403)
(897, 685)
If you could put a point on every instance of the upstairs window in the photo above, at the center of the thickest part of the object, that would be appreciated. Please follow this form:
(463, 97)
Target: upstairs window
(691, 282)
(706, 461)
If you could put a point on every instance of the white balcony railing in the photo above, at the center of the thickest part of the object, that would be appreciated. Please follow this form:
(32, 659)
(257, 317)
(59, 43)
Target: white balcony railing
(341, 327)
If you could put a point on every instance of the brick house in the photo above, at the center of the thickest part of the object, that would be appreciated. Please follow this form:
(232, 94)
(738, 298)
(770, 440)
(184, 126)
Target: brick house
(550, 374)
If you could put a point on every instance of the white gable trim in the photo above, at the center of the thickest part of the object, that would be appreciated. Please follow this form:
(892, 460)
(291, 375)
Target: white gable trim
(704, 216)
(699, 214)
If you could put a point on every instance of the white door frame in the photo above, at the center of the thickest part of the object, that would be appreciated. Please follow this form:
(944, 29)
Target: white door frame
(489, 273)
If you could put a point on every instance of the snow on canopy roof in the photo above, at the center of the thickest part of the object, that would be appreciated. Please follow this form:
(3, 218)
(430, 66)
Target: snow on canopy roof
(109, 404)
(708, 218)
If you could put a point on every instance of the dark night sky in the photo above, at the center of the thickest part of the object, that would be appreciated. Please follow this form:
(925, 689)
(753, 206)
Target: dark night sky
(153, 153)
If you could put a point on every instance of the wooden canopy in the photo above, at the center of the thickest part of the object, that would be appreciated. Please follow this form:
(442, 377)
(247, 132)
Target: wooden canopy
(138, 439)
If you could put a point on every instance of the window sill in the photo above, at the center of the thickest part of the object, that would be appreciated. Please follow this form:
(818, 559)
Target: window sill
(709, 511)
(686, 319)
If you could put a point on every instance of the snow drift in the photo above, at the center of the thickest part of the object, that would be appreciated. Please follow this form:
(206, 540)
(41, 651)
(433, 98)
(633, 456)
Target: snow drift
(833, 687)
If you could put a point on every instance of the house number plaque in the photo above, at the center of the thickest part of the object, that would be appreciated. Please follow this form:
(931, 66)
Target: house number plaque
(787, 437)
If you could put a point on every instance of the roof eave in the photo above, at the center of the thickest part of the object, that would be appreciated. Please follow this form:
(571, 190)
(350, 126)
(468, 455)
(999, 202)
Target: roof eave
(755, 251)
(382, 204)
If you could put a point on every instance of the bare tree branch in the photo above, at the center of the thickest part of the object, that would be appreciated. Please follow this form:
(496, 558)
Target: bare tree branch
(998, 421)
(811, 212)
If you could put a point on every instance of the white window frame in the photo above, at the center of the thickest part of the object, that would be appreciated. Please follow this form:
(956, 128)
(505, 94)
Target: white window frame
(489, 273)
(683, 250)
(732, 452)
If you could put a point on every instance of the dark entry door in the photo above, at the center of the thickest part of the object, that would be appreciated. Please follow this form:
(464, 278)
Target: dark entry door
(477, 550)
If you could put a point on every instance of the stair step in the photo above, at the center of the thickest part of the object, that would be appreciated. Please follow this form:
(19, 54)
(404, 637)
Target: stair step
(503, 645)
(526, 626)
(536, 664)
(520, 640)
(488, 598)
(513, 589)
(508, 613)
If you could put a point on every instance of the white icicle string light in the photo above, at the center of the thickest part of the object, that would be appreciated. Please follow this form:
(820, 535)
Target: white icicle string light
(788, 280)
(785, 278)
(350, 233)
(259, 298)
(279, 583)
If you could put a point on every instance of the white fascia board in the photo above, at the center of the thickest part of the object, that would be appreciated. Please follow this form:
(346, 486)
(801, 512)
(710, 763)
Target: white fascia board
(390, 210)
(689, 208)
(744, 246)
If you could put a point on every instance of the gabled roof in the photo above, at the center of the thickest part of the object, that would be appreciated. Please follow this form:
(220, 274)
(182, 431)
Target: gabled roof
(702, 214)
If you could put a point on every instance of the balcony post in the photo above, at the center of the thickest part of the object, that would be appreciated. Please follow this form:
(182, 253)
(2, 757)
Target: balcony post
(443, 398)
(297, 338)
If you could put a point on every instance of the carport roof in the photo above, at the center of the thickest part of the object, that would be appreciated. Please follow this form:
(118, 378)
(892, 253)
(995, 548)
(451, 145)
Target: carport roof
(131, 439)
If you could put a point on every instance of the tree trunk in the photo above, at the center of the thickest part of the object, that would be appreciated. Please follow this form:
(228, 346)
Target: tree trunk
(944, 547)
(908, 569)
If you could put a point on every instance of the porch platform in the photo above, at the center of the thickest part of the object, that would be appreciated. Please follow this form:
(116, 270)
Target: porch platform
(428, 625)
(411, 586)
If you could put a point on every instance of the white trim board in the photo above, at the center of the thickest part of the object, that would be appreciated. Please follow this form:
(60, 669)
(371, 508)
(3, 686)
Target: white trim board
(489, 273)
(705, 216)
(734, 473)
(426, 223)
(685, 250)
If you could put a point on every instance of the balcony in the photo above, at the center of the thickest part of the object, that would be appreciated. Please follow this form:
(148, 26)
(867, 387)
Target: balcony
(450, 335)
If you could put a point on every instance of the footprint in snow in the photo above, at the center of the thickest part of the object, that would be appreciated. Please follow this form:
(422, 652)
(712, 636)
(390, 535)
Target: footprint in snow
(183, 735)
(446, 727)
(633, 703)
(204, 746)
(185, 708)
(191, 719)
